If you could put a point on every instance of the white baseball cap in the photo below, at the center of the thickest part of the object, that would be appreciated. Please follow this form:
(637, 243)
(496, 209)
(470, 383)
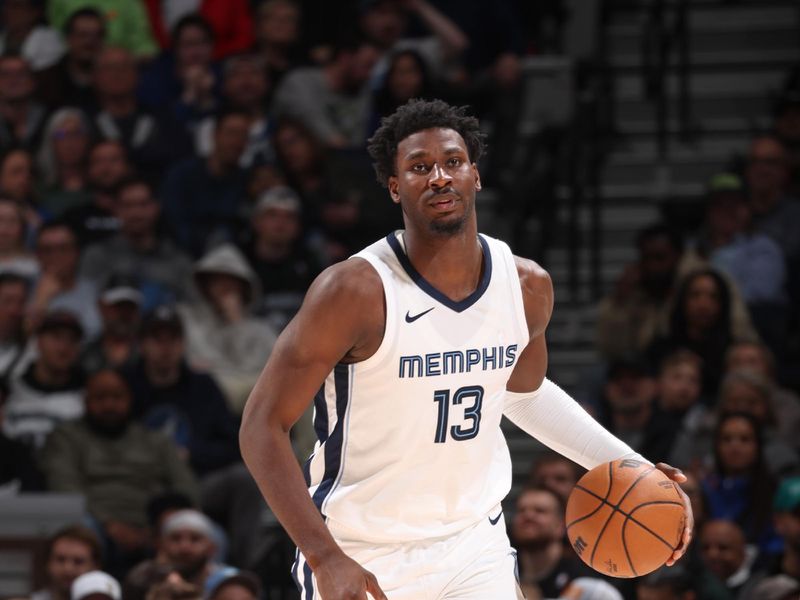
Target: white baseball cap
(96, 582)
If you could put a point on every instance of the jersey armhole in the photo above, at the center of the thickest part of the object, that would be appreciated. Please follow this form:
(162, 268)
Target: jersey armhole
(390, 325)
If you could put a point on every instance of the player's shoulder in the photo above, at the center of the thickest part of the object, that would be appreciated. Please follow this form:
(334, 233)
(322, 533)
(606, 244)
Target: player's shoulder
(351, 280)
(532, 276)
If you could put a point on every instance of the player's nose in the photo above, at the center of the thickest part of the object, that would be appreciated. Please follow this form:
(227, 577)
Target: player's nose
(439, 176)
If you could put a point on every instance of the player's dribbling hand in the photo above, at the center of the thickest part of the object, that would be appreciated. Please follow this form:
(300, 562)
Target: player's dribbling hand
(341, 578)
(677, 476)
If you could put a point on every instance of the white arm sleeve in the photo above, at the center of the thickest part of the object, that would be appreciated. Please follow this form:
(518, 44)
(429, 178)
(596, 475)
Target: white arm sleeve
(550, 415)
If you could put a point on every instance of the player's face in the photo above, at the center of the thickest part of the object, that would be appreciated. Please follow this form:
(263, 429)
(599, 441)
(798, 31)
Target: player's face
(435, 182)
(68, 559)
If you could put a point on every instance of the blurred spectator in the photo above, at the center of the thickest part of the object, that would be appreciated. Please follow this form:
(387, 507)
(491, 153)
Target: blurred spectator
(203, 197)
(14, 256)
(14, 291)
(70, 552)
(672, 583)
(787, 523)
(776, 587)
(691, 422)
(184, 81)
(127, 465)
(97, 585)
(140, 249)
(775, 213)
(24, 33)
(16, 183)
(701, 321)
(277, 32)
(151, 142)
(186, 545)
(223, 336)
(725, 554)
(108, 167)
(62, 160)
(740, 486)
(555, 472)
(59, 286)
(630, 410)
(753, 260)
(333, 100)
(120, 306)
(69, 81)
(126, 22)
(233, 584)
(629, 318)
(385, 24)
(170, 396)
(748, 392)
(407, 77)
(50, 390)
(18, 470)
(590, 588)
(281, 258)
(21, 115)
(757, 358)
(537, 530)
(230, 21)
(244, 89)
(786, 125)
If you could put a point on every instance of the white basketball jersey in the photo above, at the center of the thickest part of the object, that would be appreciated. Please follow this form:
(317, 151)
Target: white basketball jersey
(410, 445)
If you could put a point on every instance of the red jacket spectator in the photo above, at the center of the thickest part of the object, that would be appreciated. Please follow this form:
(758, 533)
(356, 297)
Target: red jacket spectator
(231, 20)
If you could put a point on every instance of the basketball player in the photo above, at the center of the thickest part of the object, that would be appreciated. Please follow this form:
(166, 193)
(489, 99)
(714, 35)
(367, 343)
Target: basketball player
(412, 350)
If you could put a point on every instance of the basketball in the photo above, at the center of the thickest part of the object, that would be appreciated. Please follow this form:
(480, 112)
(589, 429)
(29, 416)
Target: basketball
(625, 518)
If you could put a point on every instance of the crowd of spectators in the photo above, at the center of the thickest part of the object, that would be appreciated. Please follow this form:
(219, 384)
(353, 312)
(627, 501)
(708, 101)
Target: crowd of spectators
(173, 175)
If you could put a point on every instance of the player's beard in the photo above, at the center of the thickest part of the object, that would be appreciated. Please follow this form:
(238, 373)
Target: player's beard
(451, 227)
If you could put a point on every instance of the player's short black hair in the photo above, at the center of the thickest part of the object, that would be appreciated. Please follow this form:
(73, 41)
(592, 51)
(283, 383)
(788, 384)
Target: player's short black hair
(417, 115)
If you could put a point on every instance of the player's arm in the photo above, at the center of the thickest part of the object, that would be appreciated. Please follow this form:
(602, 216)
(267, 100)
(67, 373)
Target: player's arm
(340, 318)
(545, 411)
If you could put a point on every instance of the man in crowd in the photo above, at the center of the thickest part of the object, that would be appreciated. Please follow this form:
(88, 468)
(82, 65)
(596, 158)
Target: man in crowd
(13, 298)
(50, 390)
(724, 553)
(787, 524)
(128, 465)
(21, 116)
(71, 552)
(140, 249)
(555, 472)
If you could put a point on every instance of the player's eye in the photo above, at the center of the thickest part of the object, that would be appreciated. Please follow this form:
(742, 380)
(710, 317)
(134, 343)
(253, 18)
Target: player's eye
(454, 162)
(420, 168)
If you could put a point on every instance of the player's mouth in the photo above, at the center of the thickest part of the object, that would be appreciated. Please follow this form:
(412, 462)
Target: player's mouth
(444, 201)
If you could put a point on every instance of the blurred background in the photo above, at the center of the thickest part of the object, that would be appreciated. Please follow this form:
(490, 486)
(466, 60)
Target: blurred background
(175, 173)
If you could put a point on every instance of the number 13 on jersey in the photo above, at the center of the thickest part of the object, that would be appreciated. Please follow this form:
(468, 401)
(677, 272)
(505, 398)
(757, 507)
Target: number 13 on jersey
(471, 397)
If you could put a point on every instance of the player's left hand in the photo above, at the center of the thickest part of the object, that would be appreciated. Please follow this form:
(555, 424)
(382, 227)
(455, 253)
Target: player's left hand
(677, 476)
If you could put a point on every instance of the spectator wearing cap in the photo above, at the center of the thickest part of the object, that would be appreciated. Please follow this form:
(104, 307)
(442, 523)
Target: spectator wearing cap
(203, 196)
(59, 285)
(70, 552)
(186, 545)
(120, 307)
(140, 249)
(281, 258)
(117, 464)
(50, 390)
(223, 336)
(170, 395)
(96, 585)
(786, 506)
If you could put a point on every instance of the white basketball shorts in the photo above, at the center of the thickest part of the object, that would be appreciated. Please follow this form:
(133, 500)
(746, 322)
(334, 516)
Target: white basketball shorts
(476, 564)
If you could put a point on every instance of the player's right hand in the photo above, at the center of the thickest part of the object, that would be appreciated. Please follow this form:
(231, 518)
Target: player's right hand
(341, 578)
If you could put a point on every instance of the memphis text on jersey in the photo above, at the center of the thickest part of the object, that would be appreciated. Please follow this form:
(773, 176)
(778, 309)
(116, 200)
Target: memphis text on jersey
(457, 361)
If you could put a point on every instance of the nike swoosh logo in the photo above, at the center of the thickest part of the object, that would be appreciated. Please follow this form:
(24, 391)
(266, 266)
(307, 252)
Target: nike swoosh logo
(410, 319)
(496, 519)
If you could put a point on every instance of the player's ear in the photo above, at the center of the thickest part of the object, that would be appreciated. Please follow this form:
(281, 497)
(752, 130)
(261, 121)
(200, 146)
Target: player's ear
(477, 177)
(392, 184)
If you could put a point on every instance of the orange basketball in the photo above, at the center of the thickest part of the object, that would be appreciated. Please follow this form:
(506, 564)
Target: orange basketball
(625, 518)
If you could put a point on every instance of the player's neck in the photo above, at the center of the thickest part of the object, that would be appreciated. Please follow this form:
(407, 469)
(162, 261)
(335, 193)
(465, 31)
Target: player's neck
(452, 264)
